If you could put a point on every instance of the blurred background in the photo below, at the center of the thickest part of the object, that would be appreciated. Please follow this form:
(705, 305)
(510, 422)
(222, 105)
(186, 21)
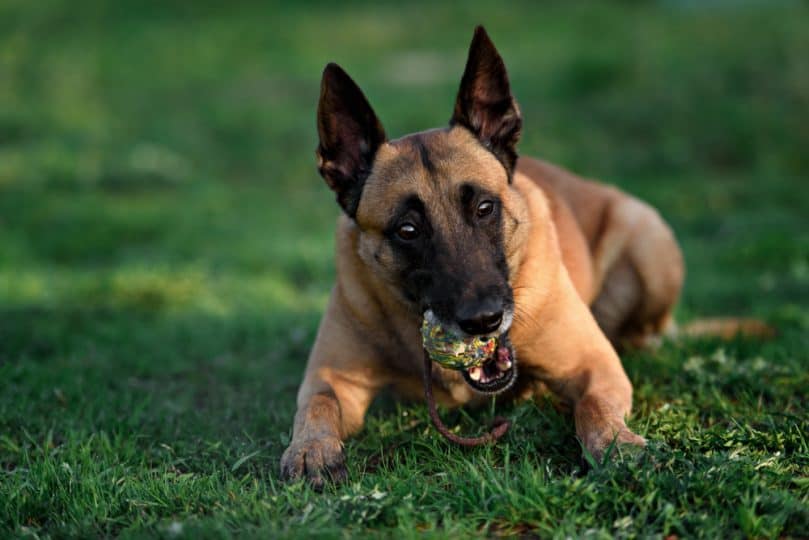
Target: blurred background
(166, 242)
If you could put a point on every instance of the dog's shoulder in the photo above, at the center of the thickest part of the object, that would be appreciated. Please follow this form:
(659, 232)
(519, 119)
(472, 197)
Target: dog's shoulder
(560, 189)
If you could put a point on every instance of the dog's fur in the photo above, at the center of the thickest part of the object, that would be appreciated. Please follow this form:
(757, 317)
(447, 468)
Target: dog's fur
(578, 266)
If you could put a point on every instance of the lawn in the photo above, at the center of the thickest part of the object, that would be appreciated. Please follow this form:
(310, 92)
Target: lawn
(166, 253)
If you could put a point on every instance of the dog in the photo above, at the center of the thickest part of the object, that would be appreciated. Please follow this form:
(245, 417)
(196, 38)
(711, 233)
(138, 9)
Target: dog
(452, 224)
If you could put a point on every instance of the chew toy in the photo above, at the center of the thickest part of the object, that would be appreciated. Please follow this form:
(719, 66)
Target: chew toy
(453, 351)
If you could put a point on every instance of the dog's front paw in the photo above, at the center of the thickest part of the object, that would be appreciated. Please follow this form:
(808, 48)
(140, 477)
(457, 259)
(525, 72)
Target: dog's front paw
(317, 460)
(620, 439)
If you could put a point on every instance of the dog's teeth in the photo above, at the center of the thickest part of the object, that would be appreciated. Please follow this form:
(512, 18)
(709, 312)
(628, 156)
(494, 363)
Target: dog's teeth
(475, 373)
(503, 364)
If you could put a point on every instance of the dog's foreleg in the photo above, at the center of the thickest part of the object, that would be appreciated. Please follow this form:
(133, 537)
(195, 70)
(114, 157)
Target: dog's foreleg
(328, 412)
(601, 395)
(601, 407)
(340, 382)
(574, 358)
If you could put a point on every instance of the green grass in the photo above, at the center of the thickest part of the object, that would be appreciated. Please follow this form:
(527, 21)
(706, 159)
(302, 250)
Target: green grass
(166, 252)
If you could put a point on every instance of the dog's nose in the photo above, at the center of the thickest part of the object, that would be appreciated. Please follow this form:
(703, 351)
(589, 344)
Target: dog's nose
(484, 322)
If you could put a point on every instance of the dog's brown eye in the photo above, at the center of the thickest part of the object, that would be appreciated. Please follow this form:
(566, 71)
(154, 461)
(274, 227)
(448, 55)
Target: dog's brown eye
(407, 231)
(485, 208)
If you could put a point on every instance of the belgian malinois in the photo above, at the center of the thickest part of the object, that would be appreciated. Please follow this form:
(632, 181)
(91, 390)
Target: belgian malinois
(450, 222)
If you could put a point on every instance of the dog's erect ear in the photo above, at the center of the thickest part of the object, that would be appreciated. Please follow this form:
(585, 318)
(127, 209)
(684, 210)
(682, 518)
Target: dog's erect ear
(350, 134)
(485, 105)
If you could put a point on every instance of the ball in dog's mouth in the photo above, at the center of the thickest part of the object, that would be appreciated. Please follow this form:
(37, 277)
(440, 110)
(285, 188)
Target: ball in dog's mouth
(487, 363)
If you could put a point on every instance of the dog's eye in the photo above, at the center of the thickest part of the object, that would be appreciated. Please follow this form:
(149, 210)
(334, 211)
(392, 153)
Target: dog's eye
(407, 231)
(485, 208)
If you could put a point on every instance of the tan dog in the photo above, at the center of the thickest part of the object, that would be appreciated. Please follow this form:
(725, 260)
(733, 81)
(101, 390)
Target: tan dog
(451, 223)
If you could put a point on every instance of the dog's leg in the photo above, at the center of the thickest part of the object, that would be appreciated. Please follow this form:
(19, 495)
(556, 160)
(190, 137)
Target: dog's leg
(316, 449)
(640, 268)
(571, 354)
(618, 300)
(340, 383)
(601, 406)
(601, 395)
(327, 414)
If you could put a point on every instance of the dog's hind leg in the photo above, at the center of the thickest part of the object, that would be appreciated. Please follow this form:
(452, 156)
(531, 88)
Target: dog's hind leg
(618, 300)
(642, 269)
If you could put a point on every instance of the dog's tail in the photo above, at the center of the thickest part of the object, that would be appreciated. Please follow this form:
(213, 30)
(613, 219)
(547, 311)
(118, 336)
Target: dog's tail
(725, 328)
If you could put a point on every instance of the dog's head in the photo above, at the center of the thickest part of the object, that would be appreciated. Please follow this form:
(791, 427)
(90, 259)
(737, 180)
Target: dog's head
(436, 210)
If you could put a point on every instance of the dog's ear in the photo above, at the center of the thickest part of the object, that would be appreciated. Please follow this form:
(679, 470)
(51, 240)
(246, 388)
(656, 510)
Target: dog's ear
(350, 134)
(485, 105)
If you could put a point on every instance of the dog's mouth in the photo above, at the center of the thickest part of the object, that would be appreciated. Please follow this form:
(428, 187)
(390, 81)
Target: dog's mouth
(497, 373)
